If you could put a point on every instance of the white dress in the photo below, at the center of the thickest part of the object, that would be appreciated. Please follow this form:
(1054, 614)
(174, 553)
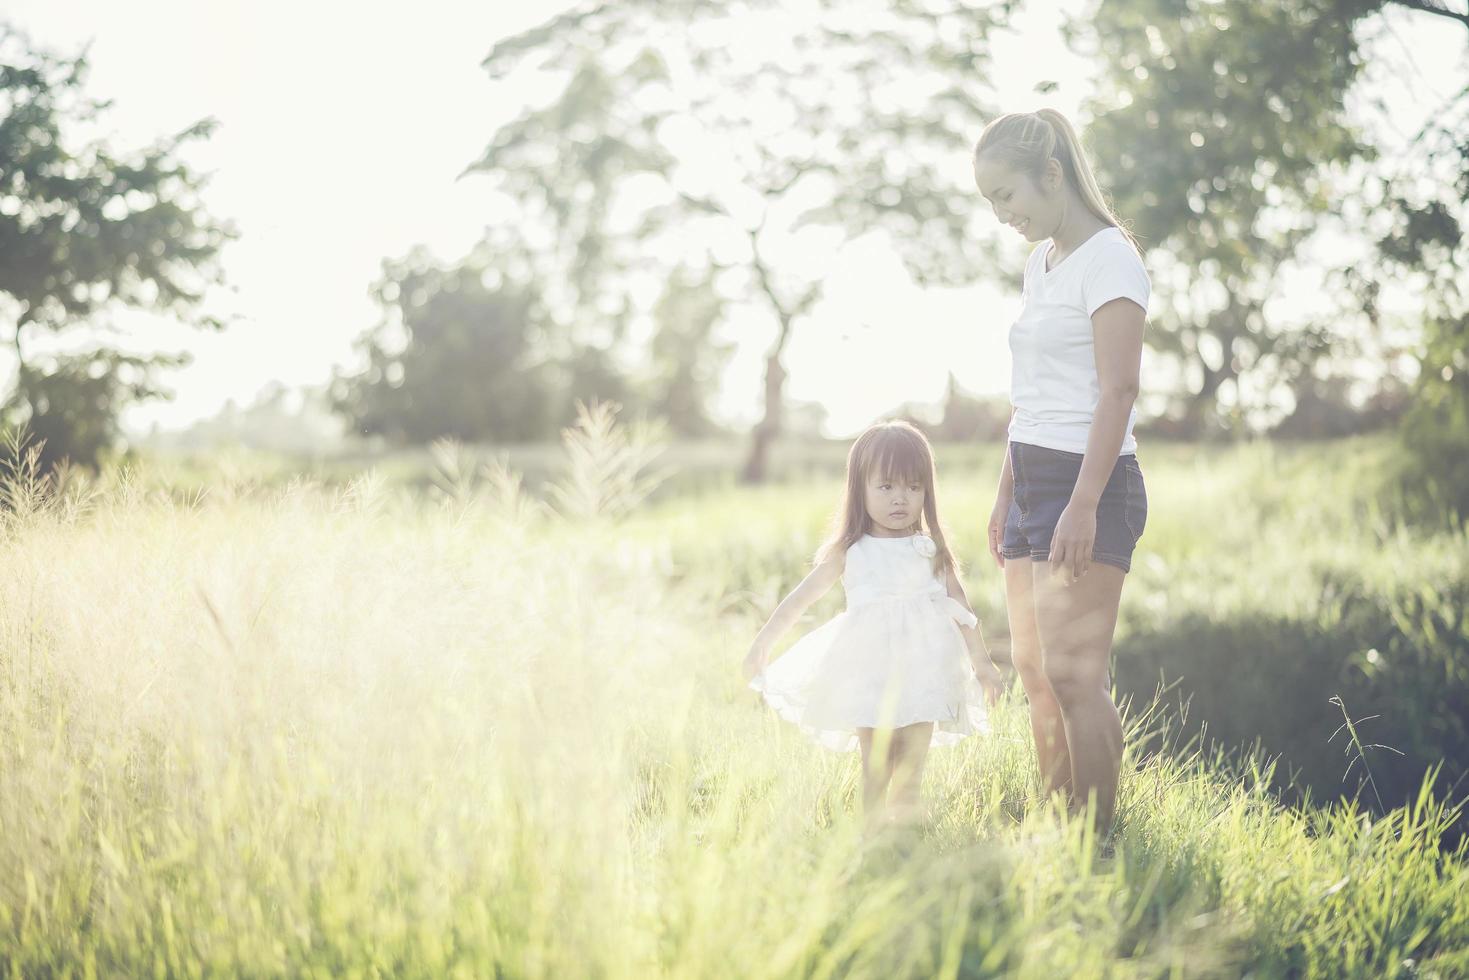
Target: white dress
(894, 657)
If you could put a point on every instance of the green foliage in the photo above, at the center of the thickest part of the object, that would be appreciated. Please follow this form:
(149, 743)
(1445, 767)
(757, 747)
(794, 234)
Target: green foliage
(1437, 429)
(1426, 246)
(458, 355)
(860, 104)
(82, 229)
(1217, 129)
(469, 351)
(1281, 577)
(72, 406)
(1222, 129)
(687, 359)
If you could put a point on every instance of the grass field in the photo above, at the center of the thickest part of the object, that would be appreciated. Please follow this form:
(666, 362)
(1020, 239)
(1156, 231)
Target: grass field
(287, 729)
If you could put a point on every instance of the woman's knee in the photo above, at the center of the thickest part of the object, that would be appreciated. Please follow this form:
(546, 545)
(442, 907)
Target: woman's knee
(1076, 677)
(1026, 658)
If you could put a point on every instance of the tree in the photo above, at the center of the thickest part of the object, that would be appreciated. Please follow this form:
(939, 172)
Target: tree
(755, 138)
(458, 354)
(1216, 128)
(686, 360)
(1425, 245)
(1239, 109)
(83, 230)
(967, 418)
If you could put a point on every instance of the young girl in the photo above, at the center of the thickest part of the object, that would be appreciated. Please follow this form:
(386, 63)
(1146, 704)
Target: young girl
(890, 673)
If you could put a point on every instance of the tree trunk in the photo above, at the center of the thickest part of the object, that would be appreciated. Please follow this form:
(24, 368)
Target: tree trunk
(757, 464)
(1203, 401)
(765, 433)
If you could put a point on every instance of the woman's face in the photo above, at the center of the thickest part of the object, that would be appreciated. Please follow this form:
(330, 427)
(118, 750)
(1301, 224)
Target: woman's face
(1032, 209)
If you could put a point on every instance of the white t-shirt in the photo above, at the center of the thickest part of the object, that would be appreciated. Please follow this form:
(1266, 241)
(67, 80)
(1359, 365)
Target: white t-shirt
(1053, 380)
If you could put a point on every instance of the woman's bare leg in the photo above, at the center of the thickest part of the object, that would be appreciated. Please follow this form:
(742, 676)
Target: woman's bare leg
(1046, 724)
(1075, 623)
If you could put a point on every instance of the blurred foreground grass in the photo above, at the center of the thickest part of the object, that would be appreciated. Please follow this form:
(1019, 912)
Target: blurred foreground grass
(287, 729)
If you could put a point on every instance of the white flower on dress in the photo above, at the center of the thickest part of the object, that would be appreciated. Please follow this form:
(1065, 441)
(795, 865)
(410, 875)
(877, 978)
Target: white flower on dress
(924, 545)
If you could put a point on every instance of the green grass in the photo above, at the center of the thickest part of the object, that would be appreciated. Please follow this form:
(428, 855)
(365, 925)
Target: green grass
(352, 732)
(1270, 579)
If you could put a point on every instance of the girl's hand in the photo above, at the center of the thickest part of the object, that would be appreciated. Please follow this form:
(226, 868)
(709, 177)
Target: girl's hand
(998, 516)
(756, 660)
(1071, 545)
(989, 679)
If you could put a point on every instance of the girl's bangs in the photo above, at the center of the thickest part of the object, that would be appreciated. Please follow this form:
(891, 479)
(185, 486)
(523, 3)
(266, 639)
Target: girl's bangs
(898, 460)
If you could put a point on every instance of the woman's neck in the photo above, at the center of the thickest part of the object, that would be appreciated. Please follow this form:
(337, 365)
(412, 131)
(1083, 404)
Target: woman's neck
(1079, 225)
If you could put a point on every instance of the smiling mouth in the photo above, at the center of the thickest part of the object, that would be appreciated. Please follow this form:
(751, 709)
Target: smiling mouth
(1022, 226)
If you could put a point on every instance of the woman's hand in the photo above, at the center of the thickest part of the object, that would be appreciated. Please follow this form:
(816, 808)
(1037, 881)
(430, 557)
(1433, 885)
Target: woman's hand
(756, 659)
(998, 517)
(1072, 542)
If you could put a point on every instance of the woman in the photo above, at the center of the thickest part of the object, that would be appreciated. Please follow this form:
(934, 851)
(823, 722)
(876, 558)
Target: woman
(1071, 502)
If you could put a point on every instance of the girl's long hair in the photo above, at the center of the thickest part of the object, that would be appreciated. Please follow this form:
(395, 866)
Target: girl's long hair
(899, 451)
(1026, 140)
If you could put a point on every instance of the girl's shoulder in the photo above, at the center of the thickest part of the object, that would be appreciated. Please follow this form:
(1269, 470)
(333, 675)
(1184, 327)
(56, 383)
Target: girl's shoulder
(885, 549)
(858, 550)
(832, 558)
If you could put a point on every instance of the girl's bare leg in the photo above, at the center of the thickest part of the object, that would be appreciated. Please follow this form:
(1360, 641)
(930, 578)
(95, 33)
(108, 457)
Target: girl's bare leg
(876, 772)
(910, 751)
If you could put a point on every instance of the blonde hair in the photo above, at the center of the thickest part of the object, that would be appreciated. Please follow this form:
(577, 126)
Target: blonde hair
(1026, 141)
(897, 450)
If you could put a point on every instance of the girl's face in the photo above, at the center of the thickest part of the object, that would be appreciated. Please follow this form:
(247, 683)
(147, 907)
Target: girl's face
(894, 506)
(1034, 210)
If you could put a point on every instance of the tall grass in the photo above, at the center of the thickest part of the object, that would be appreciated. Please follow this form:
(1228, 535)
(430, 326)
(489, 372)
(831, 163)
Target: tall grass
(1270, 579)
(353, 732)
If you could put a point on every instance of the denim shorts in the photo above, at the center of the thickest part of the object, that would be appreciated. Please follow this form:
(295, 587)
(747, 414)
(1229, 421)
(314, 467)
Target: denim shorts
(1044, 479)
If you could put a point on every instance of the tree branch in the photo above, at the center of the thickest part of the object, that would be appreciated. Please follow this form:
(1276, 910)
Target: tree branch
(808, 301)
(703, 204)
(786, 317)
(26, 316)
(1432, 7)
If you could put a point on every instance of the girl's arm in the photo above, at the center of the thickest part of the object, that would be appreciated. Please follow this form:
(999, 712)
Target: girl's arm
(1117, 329)
(815, 585)
(984, 668)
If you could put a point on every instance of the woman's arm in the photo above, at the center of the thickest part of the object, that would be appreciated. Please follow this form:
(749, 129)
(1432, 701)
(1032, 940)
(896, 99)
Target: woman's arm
(815, 585)
(1007, 478)
(1117, 331)
(1004, 494)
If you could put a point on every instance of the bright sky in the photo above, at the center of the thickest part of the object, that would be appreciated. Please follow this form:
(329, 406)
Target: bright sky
(343, 127)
